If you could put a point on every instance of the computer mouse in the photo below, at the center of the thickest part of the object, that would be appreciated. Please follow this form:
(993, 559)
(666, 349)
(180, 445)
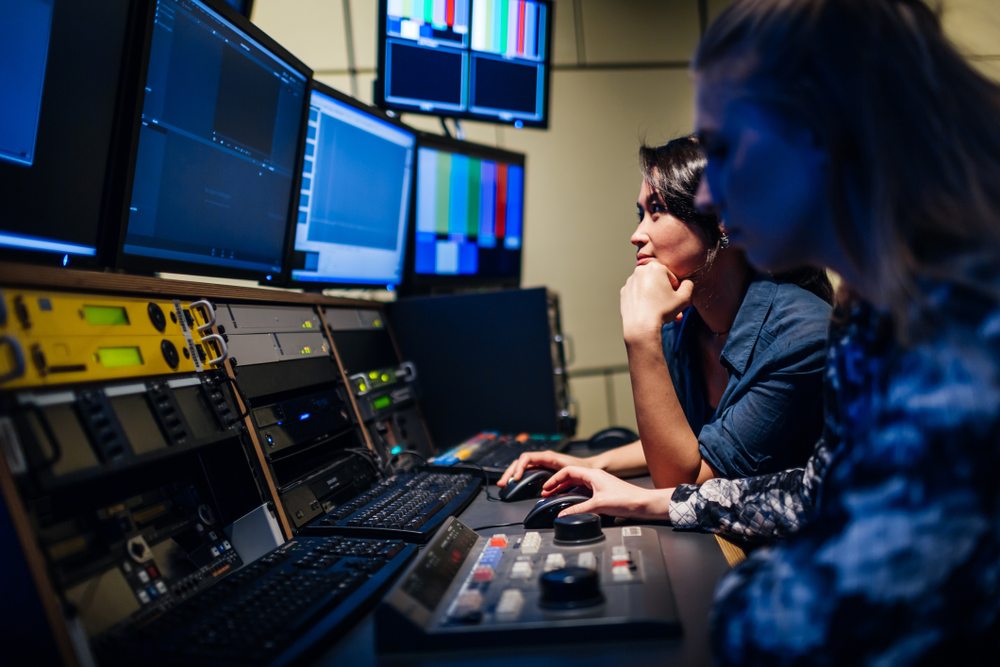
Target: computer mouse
(529, 486)
(613, 436)
(545, 511)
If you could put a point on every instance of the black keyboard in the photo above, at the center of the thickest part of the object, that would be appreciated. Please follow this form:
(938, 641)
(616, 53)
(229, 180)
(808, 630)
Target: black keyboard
(274, 611)
(409, 506)
(493, 452)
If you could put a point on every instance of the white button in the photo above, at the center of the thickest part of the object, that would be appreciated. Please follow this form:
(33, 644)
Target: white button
(619, 552)
(143, 577)
(621, 573)
(160, 586)
(588, 560)
(554, 562)
(510, 604)
(143, 597)
(520, 570)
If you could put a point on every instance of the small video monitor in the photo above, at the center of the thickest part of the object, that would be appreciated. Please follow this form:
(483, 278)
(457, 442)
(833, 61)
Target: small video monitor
(481, 59)
(61, 63)
(468, 217)
(354, 203)
(220, 132)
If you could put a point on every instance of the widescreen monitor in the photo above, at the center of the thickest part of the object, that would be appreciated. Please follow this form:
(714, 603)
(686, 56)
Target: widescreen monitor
(61, 66)
(216, 160)
(481, 59)
(354, 202)
(468, 227)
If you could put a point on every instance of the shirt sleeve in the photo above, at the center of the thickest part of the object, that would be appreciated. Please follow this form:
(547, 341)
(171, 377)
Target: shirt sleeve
(775, 422)
(902, 561)
(752, 509)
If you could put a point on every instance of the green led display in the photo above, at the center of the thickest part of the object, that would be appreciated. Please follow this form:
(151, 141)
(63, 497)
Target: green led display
(119, 357)
(105, 315)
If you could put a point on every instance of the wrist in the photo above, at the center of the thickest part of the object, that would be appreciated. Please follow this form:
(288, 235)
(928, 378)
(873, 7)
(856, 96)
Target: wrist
(598, 461)
(656, 503)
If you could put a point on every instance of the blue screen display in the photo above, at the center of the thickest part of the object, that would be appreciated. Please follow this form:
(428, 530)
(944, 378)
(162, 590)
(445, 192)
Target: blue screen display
(220, 124)
(355, 196)
(25, 26)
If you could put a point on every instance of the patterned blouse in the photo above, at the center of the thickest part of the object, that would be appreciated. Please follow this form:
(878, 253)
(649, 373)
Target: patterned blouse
(898, 558)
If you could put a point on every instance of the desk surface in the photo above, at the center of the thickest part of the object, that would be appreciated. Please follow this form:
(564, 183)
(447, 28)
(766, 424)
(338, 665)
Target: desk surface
(694, 563)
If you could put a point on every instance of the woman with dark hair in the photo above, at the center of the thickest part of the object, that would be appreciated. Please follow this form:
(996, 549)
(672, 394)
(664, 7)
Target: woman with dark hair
(725, 362)
(878, 156)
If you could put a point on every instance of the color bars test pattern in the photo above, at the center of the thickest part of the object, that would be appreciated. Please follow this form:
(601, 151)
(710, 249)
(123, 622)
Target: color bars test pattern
(465, 203)
(420, 19)
(512, 28)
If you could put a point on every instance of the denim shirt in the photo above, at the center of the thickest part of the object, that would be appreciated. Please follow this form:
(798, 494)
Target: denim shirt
(770, 414)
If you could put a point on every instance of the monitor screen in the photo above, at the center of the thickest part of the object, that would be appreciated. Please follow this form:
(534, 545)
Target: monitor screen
(482, 59)
(354, 204)
(220, 130)
(244, 7)
(469, 215)
(61, 62)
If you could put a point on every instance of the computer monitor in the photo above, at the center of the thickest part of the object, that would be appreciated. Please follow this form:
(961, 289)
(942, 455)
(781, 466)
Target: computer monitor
(468, 226)
(220, 132)
(481, 59)
(354, 203)
(244, 7)
(61, 66)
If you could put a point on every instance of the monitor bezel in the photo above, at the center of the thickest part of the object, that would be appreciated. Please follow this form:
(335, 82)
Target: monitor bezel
(317, 285)
(378, 92)
(150, 265)
(119, 140)
(420, 283)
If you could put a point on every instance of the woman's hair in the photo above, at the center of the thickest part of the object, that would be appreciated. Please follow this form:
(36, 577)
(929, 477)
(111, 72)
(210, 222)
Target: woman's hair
(674, 171)
(912, 131)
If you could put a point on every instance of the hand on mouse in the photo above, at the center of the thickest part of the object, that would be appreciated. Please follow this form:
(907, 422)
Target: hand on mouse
(548, 459)
(611, 495)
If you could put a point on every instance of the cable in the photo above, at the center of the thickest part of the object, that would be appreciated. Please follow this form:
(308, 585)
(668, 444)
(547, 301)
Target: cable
(370, 457)
(486, 479)
(499, 525)
(411, 452)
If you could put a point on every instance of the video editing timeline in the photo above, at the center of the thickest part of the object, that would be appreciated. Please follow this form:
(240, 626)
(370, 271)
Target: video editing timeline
(222, 119)
(547, 586)
(275, 611)
(493, 452)
(470, 58)
(469, 213)
(384, 386)
(24, 30)
(53, 338)
(354, 202)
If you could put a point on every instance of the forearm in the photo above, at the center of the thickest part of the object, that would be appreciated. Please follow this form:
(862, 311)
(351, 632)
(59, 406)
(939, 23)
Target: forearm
(624, 461)
(752, 508)
(669, 445)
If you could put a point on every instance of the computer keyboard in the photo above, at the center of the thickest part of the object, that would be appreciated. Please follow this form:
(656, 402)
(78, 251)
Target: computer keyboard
(271, 612)
(493, 452)
(408, 506)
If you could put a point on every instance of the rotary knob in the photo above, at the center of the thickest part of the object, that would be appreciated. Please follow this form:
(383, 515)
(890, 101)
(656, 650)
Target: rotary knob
(570, 588)
(578, 529)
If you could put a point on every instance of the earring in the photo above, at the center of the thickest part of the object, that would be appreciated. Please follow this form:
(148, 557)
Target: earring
(723, 241)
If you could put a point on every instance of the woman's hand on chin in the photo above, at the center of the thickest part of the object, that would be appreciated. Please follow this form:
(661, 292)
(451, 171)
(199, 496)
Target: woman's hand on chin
(652, 295)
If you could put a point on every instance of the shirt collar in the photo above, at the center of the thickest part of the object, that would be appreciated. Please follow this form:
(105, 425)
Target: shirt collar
(749, 320)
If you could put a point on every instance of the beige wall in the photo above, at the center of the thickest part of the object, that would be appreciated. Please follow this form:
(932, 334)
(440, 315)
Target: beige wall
(620, 78)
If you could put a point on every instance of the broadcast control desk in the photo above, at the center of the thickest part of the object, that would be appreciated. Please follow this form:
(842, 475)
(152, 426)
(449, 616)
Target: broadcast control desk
(694, 564)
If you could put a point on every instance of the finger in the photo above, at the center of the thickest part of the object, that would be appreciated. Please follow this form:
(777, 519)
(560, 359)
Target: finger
(558, 479)
(685, 289)
(675, 282)
(561, 488)
(580, 508)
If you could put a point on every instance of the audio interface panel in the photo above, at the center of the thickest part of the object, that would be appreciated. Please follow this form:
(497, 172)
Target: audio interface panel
(307, 433)
(264, 334)
(575, 583)
(82, 432)
(52, 338)
(384, 386)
